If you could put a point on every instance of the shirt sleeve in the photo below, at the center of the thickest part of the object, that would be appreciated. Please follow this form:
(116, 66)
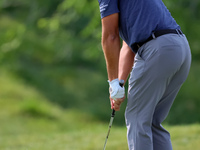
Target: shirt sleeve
(108, 7)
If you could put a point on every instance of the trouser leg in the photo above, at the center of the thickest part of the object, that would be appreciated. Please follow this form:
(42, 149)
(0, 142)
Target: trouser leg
(139, 114)
(151, 76)
(161, 137)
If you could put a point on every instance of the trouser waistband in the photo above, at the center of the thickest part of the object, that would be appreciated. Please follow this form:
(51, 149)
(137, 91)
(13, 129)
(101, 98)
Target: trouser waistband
(154, 35)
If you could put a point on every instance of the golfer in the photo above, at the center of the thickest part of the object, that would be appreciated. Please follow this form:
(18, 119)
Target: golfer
(156, 54)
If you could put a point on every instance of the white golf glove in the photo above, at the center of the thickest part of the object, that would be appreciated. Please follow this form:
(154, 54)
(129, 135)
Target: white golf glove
(115, 90)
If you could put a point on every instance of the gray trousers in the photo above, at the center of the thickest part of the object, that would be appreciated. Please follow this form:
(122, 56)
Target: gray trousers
(160, 68)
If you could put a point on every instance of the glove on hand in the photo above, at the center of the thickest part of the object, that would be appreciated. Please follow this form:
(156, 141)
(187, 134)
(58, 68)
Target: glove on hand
(115, 90)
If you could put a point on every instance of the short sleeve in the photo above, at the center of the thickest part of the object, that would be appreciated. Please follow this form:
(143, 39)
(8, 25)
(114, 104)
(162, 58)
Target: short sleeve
(108, 7)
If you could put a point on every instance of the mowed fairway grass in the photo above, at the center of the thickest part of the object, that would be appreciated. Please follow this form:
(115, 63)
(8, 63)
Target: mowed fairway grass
(19, 133)
(28, 121)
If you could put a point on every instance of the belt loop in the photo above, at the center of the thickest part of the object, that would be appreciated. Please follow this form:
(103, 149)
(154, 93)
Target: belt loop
(178, 32)
(153, 35)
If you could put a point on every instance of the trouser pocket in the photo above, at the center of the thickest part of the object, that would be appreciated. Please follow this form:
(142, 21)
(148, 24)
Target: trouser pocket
(138, 69)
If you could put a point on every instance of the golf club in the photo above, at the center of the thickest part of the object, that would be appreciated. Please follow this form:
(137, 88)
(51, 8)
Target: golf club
(121, 83)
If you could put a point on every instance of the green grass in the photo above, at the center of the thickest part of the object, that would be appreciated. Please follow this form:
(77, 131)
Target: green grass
(29, 121)
(23, 133)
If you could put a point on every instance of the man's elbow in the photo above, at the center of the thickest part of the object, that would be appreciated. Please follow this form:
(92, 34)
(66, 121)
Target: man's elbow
(110, 38)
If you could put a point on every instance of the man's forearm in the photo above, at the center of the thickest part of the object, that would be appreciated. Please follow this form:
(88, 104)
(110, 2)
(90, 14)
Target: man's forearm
(125, 62)
(111, 48)
(111, 44)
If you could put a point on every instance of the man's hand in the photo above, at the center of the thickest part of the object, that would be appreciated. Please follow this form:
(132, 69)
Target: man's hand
(116, 91)
(115, 104)
(117, 94)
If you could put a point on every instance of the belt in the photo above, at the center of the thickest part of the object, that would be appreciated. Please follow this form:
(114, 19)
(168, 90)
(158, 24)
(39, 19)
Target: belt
(154, 35)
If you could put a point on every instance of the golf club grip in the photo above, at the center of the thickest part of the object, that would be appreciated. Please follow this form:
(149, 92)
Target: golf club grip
(113, 113)
(121, 83)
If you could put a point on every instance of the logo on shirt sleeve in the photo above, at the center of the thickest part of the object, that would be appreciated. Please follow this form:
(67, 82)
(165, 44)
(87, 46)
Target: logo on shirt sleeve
(103, 7)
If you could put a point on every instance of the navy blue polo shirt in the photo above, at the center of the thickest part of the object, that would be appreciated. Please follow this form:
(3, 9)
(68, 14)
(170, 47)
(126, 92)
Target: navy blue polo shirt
(138, 18)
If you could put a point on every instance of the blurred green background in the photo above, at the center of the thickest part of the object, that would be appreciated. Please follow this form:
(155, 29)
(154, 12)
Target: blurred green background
(53, 80)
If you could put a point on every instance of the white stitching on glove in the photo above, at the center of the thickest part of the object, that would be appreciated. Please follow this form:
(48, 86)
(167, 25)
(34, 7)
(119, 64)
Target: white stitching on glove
(115, 90)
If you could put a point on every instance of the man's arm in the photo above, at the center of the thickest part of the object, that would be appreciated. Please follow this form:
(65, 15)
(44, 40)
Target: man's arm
(126, 61)
(111, 44)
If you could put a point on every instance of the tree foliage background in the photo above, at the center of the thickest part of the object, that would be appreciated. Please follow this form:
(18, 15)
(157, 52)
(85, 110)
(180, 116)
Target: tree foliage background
(55, 46)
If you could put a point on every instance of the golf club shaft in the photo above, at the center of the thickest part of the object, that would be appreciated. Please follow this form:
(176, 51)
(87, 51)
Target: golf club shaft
(110, 125)
(121, 83)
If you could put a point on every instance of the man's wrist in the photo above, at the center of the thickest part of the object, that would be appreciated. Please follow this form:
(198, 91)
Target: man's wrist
(112, 81)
